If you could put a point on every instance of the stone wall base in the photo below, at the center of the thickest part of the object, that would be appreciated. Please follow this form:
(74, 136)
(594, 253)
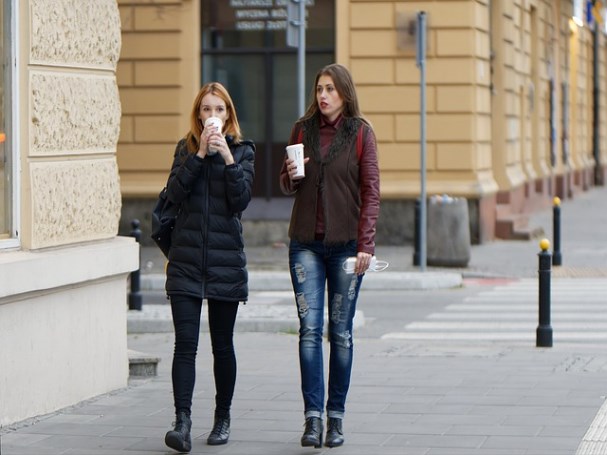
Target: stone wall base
(63, 326)
(396, 224)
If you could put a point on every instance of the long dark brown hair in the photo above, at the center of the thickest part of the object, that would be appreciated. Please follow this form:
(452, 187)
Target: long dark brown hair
(231, 126)
(342, 79)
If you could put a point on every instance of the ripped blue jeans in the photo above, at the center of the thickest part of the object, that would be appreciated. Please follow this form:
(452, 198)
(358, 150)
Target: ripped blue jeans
(312, 265)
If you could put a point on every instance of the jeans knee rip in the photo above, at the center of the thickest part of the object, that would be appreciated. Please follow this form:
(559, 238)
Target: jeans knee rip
(302, 305)
(336, 308)
(300, 272)
(343, 339)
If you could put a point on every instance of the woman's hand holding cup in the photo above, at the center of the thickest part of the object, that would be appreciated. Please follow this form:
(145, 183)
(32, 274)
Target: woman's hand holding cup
(203, 144)
(295, 161)
(213, 125)
(212, 140)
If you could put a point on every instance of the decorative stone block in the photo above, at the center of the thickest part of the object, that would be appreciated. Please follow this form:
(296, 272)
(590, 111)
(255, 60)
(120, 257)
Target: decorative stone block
(75, 32)
(74, 201)
(74, 113)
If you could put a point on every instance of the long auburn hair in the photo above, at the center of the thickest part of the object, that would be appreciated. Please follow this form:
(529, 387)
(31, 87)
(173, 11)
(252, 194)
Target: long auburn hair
(231, 126)
(342, 79)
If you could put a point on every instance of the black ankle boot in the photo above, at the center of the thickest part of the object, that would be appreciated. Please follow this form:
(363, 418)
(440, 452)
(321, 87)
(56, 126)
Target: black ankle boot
(335, 433)
(220, 432)
(312, 433)
(179, 438)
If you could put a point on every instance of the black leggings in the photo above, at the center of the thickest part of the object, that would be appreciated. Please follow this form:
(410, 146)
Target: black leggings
(186, 320)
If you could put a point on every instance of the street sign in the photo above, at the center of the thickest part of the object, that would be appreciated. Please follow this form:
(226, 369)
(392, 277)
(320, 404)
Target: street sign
(293, 23)
(296, 37)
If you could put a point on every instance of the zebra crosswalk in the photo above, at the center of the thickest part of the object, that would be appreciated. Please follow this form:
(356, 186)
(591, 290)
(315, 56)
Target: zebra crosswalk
(509, 312)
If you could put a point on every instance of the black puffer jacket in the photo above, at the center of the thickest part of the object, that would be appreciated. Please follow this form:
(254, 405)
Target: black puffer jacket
(206, 259)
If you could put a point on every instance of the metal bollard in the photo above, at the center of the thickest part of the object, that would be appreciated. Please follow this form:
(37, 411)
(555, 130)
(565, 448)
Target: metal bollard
(544, 329)
(416, 233)
(135, 293)
(557, 259)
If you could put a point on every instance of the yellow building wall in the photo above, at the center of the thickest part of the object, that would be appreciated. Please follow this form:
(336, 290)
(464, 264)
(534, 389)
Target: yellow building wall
(158, 77)
(382, 58)
(489, 66)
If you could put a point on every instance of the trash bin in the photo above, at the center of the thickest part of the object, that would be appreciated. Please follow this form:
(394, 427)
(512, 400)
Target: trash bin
(448, 232)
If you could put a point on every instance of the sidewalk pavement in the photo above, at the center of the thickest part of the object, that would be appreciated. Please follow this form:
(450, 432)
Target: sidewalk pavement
(443, 397)
(406, 398)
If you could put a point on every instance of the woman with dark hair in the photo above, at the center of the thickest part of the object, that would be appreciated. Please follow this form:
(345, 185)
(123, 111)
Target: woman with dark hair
(211, 181)
(334, 217)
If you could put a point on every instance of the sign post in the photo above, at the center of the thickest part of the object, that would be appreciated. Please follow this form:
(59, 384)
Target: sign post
(421, 64)
(296, 37)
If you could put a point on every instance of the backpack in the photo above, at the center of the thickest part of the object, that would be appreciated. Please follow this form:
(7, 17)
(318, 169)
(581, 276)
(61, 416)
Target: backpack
(163, 221)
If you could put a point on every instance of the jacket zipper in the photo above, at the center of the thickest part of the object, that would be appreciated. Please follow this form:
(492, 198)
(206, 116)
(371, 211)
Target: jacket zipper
(205, 231)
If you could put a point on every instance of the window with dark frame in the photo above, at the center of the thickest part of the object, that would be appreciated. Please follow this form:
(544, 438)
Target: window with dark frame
(244, 47)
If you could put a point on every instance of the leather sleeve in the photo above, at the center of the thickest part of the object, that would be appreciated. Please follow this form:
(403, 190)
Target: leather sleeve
(369, 194)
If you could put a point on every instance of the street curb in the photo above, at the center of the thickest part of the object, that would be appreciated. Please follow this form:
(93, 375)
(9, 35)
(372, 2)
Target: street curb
(251, 318)
(281, 281)
(259, 316)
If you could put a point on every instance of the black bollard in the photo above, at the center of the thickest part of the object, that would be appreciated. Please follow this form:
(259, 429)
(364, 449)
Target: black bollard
(557, 259)
(416, 233)
(135, 293)
(544, 329)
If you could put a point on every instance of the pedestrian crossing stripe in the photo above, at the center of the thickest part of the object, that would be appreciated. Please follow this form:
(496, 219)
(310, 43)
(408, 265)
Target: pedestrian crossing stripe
(490, 316)
(510, 313)
(494, 336)
(510, 307)
(503, 325)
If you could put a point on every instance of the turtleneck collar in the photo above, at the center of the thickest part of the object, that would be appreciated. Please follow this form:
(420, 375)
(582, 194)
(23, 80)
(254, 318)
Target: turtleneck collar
(324, 121)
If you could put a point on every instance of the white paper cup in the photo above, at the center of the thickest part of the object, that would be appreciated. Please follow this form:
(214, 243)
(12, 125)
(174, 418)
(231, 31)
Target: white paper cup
(212, 122)
(295, 152)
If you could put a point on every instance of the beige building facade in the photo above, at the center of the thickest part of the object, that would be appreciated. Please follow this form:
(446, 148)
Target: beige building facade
(63, 269)
(510, 99)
